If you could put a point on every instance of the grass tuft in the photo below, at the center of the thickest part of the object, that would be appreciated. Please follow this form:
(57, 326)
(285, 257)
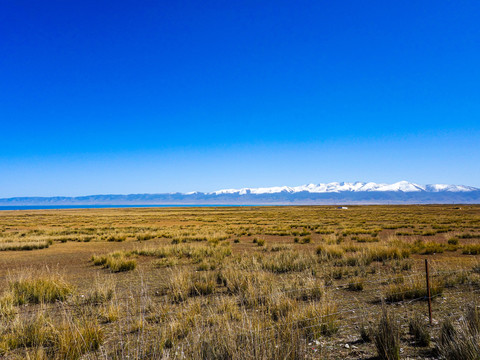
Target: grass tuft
(116, 262)
(387, 337)
(36, 290)
(418, 328)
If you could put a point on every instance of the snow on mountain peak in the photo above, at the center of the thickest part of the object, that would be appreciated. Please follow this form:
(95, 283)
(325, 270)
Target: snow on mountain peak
(336, 187)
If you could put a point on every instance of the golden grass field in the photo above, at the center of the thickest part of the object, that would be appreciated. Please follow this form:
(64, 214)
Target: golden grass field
(312, 282)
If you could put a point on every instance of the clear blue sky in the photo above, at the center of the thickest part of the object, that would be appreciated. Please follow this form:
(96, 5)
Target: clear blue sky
(162, 96)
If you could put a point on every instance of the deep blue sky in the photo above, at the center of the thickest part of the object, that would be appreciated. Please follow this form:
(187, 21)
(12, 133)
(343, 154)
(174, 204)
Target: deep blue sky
(162, 96)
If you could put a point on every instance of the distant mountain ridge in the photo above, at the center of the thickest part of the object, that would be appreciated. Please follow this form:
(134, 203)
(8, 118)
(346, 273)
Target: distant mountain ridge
(403, 186)
(402, 192)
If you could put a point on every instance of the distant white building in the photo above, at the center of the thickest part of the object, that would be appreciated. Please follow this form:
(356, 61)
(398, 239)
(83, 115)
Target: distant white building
(342, 207)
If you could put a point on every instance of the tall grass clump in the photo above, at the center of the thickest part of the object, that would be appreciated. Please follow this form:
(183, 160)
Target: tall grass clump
(461, 342)
(429, 248)
(418, 328)
(145, 236)
(366, 332)
(224, 342)
(192, 253)
(317, 319)
(7, 305)
(101, 291)
(328, 252)
(116, 262)
(356, 285)
(414, 288)
(28, 332)
(473, 249)
(46, 288)
(387, 337)
(287, 261)
(74, 338)
(252, 288)
(183, 284)
(384, 253)
(69, 339)
(117, 237)
(31, 245)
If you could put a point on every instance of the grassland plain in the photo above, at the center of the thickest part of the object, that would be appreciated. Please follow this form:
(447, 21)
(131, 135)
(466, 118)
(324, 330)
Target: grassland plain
(240, 283)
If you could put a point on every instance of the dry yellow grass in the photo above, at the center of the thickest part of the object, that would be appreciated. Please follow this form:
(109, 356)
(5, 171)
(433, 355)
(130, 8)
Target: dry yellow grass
(191, 282)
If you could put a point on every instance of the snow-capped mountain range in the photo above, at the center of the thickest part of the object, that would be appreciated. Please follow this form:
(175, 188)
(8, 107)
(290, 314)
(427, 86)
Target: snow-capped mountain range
(336, 187)
(402, 192)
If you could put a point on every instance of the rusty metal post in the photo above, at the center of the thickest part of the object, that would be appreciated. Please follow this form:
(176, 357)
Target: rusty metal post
(429, 298)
